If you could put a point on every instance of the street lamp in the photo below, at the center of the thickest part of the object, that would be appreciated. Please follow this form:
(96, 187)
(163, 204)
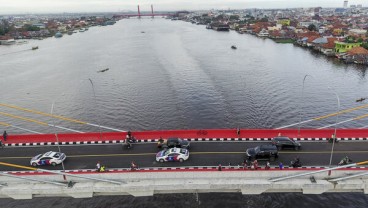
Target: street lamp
(334, 135)
(301, 111)
(98, 115)
(56, 136)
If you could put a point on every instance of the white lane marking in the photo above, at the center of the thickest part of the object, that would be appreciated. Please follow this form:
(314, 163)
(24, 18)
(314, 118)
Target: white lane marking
(105, 127)
(341, 122)
(60, 127)
(294, 124)
(25, 129)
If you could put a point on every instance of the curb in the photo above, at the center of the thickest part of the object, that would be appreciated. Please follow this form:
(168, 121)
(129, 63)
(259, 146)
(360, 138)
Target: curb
(188, 139)
(179, 169)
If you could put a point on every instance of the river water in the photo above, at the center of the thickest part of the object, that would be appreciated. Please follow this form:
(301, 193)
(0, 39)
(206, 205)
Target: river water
(175, 75)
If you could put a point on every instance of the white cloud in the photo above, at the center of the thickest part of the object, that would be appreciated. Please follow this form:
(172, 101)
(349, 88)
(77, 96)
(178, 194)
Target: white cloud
(35, 6)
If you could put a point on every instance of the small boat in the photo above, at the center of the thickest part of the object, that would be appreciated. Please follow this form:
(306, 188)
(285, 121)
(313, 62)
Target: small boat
(34, 47)
(142, 32)
(103, 70)
(233, 47)
(58, 35)
(361, 100)
(82, 30)
(70, 32)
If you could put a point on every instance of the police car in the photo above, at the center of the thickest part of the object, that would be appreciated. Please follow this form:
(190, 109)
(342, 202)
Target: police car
(49, 158)
(172, 155)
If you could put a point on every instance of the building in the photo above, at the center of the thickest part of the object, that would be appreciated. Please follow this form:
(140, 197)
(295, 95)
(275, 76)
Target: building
(345, 4)
(284, 21)
(342, 47)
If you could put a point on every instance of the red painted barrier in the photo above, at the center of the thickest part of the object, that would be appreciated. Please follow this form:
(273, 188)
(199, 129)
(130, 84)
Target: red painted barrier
(195, 133)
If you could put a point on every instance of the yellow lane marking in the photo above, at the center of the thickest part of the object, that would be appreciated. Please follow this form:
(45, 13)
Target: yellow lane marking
(17, 166)
(42, 113)
(23, 118)
(341, 112)
(193, 153)
(4, 124)
(360, 117)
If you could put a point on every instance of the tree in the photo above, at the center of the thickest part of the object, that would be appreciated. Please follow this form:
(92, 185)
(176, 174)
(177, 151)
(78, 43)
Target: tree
(312, 27)
(264, 19)
(234, 17)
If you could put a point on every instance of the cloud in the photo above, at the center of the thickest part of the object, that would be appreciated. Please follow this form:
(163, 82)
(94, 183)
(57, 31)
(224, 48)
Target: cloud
(35, 6)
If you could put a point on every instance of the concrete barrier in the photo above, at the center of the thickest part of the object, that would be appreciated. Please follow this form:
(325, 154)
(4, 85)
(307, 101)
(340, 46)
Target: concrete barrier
(149, 183)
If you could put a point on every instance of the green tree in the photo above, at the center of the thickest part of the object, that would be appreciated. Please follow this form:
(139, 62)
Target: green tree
(234, 17)
(312, 27)
(365, 45)
(31, 28)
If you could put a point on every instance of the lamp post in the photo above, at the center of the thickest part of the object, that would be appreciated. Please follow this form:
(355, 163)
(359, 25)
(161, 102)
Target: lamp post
(98, 115)
(301, 108)
(56, 136)
(334, 135)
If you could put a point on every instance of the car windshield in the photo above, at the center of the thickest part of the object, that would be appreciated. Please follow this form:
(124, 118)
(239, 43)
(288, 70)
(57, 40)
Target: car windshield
(183, 151)
(257, 149)
(37, 157)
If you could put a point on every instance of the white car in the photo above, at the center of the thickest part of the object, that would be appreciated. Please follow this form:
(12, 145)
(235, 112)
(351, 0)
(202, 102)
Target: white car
(49, 158)
(172, 155)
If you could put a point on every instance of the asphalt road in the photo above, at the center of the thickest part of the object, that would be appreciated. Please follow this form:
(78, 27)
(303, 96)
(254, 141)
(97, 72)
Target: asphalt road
(201, 154)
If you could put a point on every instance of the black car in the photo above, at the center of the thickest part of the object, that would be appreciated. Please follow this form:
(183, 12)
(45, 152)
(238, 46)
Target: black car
(286, 143)
(262, 152)
(176, 142)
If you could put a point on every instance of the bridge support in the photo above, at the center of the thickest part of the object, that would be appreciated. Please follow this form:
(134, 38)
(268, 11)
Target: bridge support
(252, 187)
(139, 12)
(319, 188)
(152, 11)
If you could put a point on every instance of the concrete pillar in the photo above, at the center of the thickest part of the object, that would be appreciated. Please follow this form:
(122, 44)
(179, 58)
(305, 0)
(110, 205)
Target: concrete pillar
(141, 193)
(317, 188)
(254, 188)
(22, 191)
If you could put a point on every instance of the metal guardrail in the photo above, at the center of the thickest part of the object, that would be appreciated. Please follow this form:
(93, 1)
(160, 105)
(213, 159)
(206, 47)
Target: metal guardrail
(318, 171)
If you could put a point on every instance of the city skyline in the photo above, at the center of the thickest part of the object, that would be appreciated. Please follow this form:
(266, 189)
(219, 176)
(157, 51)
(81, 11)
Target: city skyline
(59, 6)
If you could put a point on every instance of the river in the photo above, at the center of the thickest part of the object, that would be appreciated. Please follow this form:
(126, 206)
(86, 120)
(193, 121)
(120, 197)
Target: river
(175, 75)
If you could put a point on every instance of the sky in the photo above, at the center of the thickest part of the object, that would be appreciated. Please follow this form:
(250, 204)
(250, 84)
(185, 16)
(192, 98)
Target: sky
(59, 6)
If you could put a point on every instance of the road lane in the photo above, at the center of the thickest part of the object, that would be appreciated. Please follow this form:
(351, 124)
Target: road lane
(201, 154)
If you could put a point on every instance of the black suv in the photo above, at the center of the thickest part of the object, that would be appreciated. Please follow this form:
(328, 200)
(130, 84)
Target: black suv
(262, 152)
(176, 142)
(286, 143)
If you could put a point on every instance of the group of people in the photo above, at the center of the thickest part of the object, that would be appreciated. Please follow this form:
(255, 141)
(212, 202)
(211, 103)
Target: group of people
(129, 140)
(100, 168)
(254, 165)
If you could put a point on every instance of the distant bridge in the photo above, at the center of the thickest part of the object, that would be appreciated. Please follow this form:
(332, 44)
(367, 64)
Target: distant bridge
(139, 14)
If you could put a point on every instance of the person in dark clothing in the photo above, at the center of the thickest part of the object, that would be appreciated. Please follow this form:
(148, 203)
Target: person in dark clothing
(219, 168)
(5, 135)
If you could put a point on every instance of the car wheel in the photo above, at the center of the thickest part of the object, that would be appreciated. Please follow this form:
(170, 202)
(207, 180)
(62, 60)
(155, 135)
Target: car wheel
(278, 148)
(53, 164)
(296, 148)
(181, 160)
(161, 160)
(272, 159)
(34, 164)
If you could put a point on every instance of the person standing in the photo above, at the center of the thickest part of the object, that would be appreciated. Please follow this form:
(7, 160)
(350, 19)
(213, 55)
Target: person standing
(5, 135)
(281, 166)
(238, 132)
(98, 166)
